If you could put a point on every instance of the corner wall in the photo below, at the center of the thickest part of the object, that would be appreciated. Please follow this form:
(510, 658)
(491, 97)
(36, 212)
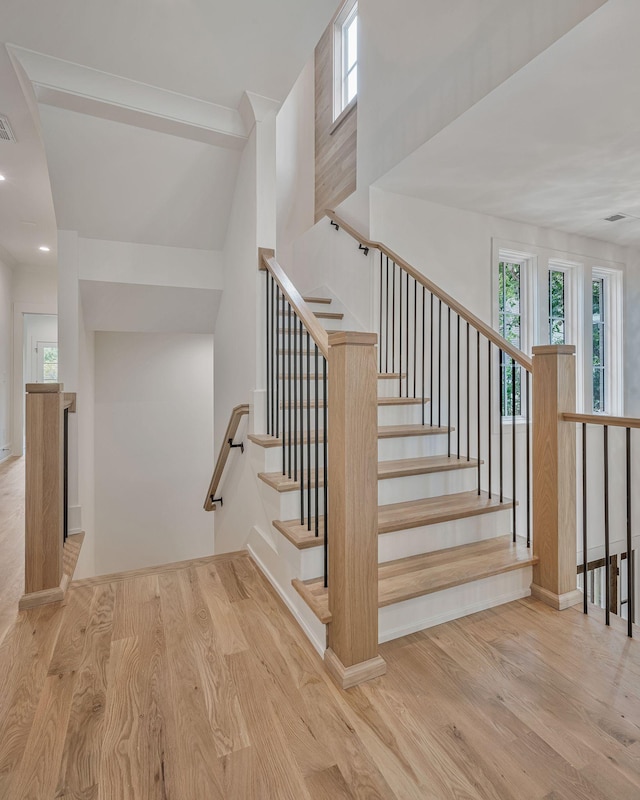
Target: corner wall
(6, 280)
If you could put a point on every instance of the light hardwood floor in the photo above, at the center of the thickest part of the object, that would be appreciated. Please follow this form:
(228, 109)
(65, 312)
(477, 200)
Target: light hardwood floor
(195, 683)
(11, 540)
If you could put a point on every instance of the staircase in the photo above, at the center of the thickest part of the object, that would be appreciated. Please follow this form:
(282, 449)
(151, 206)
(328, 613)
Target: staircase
(445, 547)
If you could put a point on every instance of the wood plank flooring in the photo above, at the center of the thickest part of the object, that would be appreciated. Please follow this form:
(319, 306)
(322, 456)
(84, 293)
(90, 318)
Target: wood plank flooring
(11, 540)
(196, 683)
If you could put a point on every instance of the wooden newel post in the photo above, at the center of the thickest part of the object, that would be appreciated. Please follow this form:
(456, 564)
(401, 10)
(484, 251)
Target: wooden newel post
(554, 476)
(44, 496)
(352, 655)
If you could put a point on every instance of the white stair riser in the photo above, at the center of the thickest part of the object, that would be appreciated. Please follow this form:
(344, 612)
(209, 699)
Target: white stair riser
(429, 538)
(412, 447)
(392, 490)
(426, 539)
(399, 490)
(414, 615)
(402, 415)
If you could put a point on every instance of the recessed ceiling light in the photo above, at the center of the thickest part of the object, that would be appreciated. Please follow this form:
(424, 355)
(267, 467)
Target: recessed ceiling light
(2, 178)
(44, 248)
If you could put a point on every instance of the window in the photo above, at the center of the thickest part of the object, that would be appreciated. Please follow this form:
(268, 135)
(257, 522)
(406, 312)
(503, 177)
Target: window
(598, 344)
(557, 306)
(346, 58)
(47, 362)
(510, 282)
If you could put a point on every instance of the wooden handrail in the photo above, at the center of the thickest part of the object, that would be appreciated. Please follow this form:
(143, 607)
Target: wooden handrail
(602, 419)
(303, 312)
(487, 331)
(232, 428)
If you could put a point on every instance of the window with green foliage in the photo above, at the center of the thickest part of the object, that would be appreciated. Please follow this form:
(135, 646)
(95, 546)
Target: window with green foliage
(510, 322)
(50, 366)
(346, 57)
(557, 307)
(598, 339)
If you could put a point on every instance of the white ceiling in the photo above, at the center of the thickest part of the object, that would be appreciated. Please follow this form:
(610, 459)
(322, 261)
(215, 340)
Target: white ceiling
(152, 156)
(557, 145)
(26, 207)
(129, 184)
(207, 49)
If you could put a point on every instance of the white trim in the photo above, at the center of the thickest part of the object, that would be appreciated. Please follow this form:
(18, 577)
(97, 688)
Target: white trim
(319, 646)
(337, 59)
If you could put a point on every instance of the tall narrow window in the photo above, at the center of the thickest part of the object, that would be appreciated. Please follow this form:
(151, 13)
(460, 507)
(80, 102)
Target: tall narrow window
(346, 57)
(599, 349)
(557, 307)
(510, 323)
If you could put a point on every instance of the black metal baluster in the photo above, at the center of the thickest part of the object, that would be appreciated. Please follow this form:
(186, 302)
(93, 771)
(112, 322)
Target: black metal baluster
(415, 331)
(607, 564)
(317, 435)
(468, 397)
(277, 338)
(300, 444)
(424, 292)
(325, 470)
(268, 376)
(439, 363)
(489, 426)
(585, 557)
(386, 346)
(295, 397)
(503, 396)
(448, 381)
(275, 363)
(289, 390)
(528, 459)
(380, 319)
(393, 317)
(406, 385)
(431, 366)
(630, 597)
(458, 385)
(513, 442)
(400, 334)
(308, 432)
(478, 400)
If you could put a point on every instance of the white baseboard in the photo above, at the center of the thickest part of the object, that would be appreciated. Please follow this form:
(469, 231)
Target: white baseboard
(317, 644)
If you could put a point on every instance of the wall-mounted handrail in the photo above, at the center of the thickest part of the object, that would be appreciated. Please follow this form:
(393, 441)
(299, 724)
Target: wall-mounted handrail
(295, 299)
(232, 428)
(486, 330)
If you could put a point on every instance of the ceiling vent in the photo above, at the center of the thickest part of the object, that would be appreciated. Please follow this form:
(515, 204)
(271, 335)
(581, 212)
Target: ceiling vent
(6, 134)
(615, 217)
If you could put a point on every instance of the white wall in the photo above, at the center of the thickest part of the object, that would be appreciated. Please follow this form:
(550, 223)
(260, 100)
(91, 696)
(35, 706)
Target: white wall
(6, 278)
(420, 68)
(153, 448)
(295, 164)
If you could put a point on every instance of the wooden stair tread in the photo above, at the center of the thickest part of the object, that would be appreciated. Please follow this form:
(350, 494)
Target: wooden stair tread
(400, 468)
(390, 376)
(323, 300)
(312, 375)
(401, 431)
(403, 516)
(426, 573)
(382, 401)
(384, 432)
(322, 314)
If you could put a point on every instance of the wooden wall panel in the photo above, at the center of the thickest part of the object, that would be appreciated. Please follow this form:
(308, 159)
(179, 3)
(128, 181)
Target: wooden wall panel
(335, 174)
